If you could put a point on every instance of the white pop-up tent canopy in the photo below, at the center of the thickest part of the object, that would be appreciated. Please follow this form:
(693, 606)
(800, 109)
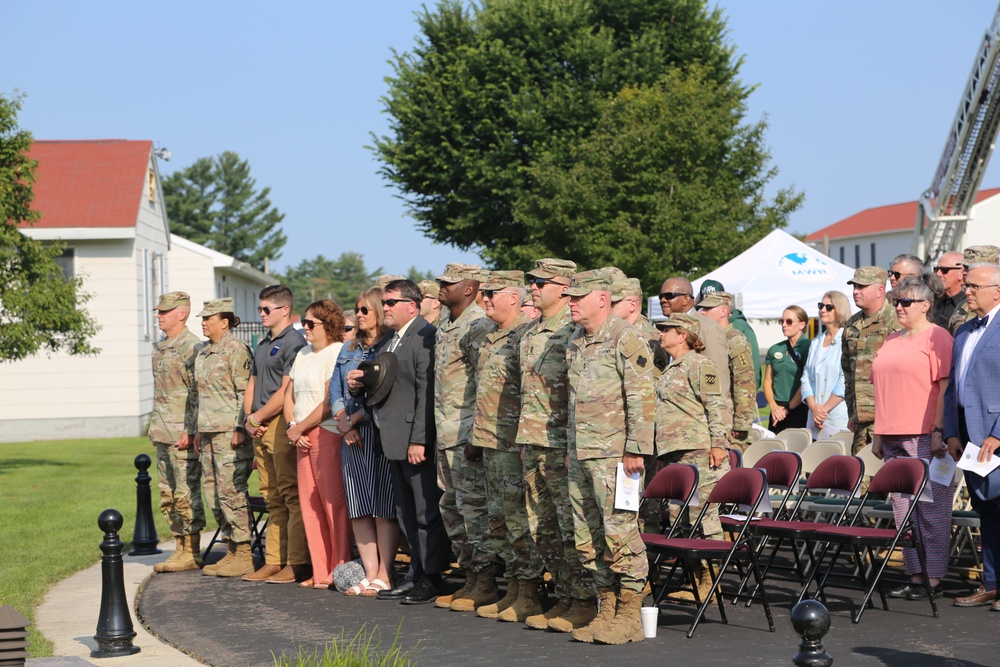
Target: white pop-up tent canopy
(776, 272)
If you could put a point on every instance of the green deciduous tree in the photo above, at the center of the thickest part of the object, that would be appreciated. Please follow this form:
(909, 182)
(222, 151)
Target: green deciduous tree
(215, 202)
(340, 279)
(40, 309)
(529, 128)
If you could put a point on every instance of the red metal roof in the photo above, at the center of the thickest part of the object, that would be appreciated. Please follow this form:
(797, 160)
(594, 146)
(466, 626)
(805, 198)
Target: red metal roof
(895, 217)
(89, 183)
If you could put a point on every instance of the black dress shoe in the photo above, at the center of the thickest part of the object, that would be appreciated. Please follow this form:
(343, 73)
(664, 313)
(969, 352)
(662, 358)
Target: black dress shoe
(920, 593)
(423, 592)
(904, 590)
(398, 593)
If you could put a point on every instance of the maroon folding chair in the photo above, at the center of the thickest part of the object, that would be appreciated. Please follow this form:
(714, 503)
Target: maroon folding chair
(675, 483)
(735, 458)
(743, 487)
(904, 476)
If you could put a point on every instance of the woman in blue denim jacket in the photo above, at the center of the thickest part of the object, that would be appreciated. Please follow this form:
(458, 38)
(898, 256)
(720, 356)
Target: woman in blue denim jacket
(367, 480)
(823, 377)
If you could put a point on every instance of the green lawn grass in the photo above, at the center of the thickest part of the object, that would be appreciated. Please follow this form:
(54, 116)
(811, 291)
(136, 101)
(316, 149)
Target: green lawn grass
(51, 494)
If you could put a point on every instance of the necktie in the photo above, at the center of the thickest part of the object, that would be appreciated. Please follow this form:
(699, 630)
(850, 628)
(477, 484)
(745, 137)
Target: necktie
(394, 342)
(981, 322)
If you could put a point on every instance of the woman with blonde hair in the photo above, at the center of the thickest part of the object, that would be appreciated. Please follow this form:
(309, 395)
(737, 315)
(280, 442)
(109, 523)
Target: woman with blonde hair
(823, 378)
(783, 368)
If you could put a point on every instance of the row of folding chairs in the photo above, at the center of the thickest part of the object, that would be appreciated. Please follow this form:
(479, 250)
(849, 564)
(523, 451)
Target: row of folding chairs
(797, 439)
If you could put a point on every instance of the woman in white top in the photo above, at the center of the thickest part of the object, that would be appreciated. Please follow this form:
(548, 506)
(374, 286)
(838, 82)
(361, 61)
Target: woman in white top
(823, 377)
(314, 431)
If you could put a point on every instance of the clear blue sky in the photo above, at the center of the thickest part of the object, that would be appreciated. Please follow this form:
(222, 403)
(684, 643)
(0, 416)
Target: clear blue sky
(859, 96)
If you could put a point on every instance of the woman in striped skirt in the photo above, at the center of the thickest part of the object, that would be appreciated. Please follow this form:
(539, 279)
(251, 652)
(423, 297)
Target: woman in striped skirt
(367, 481)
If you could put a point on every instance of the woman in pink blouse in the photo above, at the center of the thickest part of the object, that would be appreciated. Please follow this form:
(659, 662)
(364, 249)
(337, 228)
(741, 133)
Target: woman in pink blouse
(910, 374)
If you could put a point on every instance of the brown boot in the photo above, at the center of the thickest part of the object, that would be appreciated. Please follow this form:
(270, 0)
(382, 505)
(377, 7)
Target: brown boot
(184, 560)
(210, 570)
(704, 581)
(176, 557)
(605, 617)
(264, 573)
(541, 621)
(580, 614)
(493, 610)
(444, 601)
(483, 593)
(241, 564)
(194, 546)
(627, 626)
(526, 605)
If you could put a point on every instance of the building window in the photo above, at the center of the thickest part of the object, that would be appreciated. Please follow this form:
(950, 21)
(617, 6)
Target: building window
(841, 254)
(857, 256)
(873, 263)
(65, 261)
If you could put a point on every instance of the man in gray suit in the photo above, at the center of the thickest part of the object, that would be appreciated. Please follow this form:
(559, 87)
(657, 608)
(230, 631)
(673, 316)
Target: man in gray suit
(406, 425)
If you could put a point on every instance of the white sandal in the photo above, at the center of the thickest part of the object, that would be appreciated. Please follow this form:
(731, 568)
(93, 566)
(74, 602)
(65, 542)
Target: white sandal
(357, 588)
(374, 587)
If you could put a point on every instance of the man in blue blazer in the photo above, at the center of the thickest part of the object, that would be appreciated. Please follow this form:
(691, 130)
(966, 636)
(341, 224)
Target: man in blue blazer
(972, 412)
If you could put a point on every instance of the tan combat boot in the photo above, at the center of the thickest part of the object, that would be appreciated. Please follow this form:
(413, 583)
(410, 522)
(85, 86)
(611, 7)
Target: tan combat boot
(493, 610)
(194, 546)
(580, 614)
(627, 626)
(242, 562)
(210, 570)
(541, 621)
(703, 578)
(526, 605)
(444, 601)
(176, 557)
(605, 617)
(483, 593)
(186, 558)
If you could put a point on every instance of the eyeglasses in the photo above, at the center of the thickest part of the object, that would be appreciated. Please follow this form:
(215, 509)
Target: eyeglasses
(427, 296)
(668, 296)
(976, 288)
(789, 322)
(906, 303)
(362, 309)
(488, 293)
(267, 309)
(946, 269)
(309, 324)
(538, 282)
(393, 302)
(828, 307)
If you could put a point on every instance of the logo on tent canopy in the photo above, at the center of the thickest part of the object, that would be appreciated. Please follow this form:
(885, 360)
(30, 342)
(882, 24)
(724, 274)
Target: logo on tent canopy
(807, 268)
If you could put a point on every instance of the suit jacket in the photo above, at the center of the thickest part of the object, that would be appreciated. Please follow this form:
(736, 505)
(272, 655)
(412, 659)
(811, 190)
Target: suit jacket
(407, 415)
(981, 391)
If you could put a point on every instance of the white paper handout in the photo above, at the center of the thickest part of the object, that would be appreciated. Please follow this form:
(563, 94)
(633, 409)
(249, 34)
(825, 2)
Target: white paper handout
(942, 469)
(970, 461)
(627, 489)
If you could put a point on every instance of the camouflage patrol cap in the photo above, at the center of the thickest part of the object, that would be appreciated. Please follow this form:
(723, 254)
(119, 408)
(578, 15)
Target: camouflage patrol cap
(869, 275)
(429, 288)
(172, 300)
(584, 283)
(552, 268)
(625, 287)
(216, 306)
(713, 299)
(387, 278)
(456, 273)
(976, 254)
(681, 321)
(497, 280)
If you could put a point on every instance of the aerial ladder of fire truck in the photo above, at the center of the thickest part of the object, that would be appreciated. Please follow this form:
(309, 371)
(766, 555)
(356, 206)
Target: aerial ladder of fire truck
(944, 208)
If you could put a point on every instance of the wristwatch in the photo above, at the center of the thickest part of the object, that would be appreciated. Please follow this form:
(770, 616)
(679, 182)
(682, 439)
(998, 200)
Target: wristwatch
(290, 424)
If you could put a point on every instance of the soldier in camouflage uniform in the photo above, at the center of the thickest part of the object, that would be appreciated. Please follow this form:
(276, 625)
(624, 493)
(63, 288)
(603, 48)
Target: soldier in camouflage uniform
(542, 435)
(691, 422)
(498, 410)
(172, 430)
(222, 371)
(972, 255)
(612, 406)
(460, 464)
(717, 306)
(430, 307)
(864, 334)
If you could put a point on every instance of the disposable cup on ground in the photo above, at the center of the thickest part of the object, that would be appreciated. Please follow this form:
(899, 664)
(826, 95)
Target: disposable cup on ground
(650, 617)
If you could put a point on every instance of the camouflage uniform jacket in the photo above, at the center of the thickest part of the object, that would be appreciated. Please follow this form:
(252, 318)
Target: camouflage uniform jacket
(222, 372)
(651, 335)
(498, 388)
(690, 408)
(611, 394)
(544, 388)
(743, 381)
(175, 399)
(863, 336)
(961, 315)
(456, 355)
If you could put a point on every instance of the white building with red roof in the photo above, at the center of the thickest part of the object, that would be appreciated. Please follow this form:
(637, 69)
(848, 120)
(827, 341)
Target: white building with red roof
(876, 235)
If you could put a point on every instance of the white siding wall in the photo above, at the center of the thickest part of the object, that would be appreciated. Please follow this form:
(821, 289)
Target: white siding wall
(244, 292)
(859, 250)
(192, 272)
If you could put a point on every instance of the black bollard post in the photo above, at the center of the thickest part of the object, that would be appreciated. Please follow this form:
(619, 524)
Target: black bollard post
(114, 627)
(811, 622)
(144, 539)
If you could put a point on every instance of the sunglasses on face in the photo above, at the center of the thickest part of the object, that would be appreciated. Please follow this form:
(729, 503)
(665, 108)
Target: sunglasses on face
(789, 323)
(349, 328)
(488, 293)
(539, 282)
(828, 307)
(945, 269)
(668, 296)
(361, 309)
(899, 275)
(906, 303)
(267, 309)
(393, 302)
(310, 324)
